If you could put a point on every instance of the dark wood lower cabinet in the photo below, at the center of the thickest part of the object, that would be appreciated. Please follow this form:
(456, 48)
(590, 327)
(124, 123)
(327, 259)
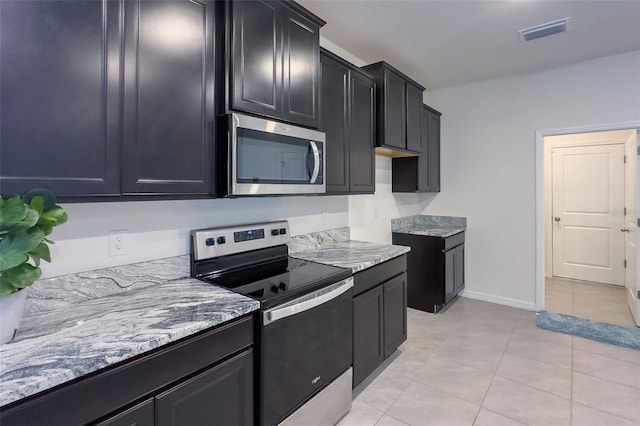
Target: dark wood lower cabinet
(222, 395)
(379, 315)
(368, 339)
(435, 269)
(395, 313)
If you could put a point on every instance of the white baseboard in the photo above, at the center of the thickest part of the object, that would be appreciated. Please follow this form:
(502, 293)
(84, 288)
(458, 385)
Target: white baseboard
(514, 303)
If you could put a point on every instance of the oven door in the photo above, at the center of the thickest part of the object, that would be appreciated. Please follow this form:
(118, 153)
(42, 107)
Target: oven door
(305, 344)
(271, 158)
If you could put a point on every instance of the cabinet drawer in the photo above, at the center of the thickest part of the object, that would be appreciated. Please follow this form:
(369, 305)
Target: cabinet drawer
(369, 278)
(454, 240)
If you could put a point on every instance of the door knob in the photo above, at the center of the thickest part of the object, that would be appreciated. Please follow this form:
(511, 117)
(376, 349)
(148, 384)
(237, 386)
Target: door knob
(557, 219)
(624, 229)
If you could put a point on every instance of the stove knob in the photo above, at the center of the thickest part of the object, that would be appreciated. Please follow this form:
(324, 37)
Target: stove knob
(274, 288)
(210, 241)
(282, 286)
(283, 231)
(274, 232)
(222, 240)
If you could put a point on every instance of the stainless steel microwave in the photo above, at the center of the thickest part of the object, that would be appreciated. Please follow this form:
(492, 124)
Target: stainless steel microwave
(265, 157)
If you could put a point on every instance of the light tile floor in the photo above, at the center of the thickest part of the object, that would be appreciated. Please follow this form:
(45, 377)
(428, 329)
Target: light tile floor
(594, 301)
(483, 364)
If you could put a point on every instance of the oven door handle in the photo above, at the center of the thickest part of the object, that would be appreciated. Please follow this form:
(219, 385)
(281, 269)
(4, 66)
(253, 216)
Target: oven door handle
(307, 302)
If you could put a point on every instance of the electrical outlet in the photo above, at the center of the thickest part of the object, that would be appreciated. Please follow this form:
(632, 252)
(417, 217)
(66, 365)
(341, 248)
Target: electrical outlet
(118, 243)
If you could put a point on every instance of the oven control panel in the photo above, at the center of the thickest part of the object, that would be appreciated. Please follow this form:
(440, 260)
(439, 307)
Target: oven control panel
(216, 242)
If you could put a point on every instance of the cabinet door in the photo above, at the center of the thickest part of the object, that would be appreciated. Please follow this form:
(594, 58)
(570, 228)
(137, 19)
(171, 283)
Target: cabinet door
(334, 123)
(433, 149)
(394, 113)
(60, 85)
(301, 69)
(168, 104)
(449, 275)
(423, 171)
(414, 118)
(459, 268)
(395, 313)
(368, 338)
(139, 415)
(255, 78)
(222, 395)
(362, 134)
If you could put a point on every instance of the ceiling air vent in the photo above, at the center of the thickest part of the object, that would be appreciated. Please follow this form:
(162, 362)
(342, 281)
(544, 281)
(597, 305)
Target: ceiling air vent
(544, 30)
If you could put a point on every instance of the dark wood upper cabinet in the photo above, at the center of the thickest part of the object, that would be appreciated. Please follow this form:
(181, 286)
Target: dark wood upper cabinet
(414, 118)
(348, 120)
(399, 105)
(274, 60)
(362, 134)
(168, 97)
(256, 57)
(421, 173)
(60, 104)
(335, 122)
(104, 98)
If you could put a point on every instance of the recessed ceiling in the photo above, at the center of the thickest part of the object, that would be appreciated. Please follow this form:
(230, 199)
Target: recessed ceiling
(442, 43)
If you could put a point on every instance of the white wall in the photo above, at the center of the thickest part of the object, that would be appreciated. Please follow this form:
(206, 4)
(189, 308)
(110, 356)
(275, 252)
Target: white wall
(488, 159)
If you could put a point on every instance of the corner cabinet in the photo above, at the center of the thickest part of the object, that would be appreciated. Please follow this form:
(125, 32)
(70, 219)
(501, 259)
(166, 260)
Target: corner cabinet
(421, 173)
(348, 120)
(435, 269)
(106, 98)
(379, 315)
(399, 106)
(274, 60)
(202, 379)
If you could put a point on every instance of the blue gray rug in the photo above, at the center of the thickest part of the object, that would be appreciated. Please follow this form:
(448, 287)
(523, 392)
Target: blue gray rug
(600, 331)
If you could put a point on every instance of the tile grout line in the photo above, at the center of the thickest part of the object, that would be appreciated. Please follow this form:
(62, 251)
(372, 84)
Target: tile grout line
(493, 376)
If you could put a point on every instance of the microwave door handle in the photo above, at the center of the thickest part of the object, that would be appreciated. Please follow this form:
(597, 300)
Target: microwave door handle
(307, 302)
(316, 162)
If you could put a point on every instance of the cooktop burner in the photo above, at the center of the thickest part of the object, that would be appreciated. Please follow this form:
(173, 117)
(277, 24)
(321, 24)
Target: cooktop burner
(277, 282)
(253, 260)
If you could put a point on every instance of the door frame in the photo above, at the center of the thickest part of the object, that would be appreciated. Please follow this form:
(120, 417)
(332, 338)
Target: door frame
(539, 203)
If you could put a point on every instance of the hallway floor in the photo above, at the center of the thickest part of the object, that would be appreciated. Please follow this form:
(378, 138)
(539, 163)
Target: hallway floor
(594, 301)
(479, 363)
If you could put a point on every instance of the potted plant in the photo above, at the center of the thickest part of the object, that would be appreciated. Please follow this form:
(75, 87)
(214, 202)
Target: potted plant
(25, 223)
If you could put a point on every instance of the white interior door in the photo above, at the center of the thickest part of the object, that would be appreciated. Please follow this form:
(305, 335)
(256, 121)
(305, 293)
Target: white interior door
(588, 213)
(631, 228)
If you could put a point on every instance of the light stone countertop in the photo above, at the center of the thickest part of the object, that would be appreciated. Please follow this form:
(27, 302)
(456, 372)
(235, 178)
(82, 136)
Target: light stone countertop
(102, 317)
(431, 226)
(335, 248)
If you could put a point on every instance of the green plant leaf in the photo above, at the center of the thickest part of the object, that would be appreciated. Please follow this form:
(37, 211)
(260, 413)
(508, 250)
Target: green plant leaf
(9, 261)
(6, 288)
(21, 242)
(30, 220)
(37, 203)
(40, 252)
(56, 216)
(21, 276)
(12, 211)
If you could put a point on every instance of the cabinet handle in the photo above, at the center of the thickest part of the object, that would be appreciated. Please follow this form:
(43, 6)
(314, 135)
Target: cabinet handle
(557, 219)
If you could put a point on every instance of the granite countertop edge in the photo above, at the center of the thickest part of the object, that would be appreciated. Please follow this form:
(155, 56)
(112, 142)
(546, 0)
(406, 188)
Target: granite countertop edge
(430, 232)
(352, 254)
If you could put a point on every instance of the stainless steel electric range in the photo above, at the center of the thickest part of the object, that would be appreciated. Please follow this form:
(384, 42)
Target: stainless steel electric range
(305, 332)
